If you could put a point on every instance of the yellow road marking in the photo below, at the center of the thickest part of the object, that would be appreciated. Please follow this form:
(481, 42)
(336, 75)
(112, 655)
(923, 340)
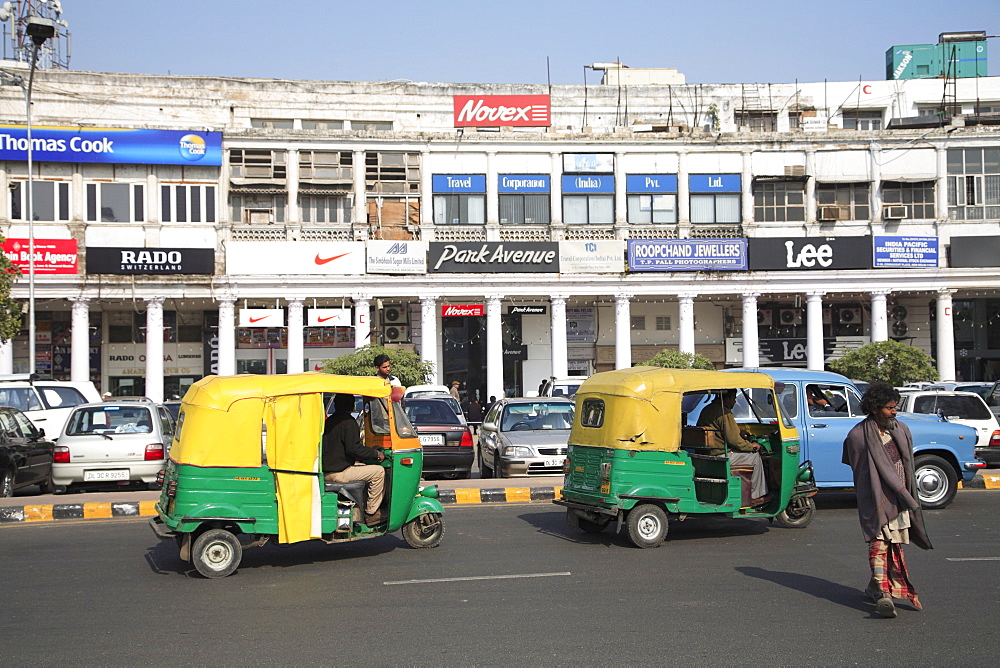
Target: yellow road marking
(991, 481)
(518, 494)
(37, 513)
(96, 510)
(147, 508)
(467, 496)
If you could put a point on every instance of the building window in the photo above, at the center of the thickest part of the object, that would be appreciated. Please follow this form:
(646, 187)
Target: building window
(249, 164)
(842, 201)
(326, 166)
(973, 183)
(862, 120)
(187, 204)
(276, 123)
(326, 209)
(389, 173)
(50, 201)
(589, 209)
(779, 201)
(794, 120)
(258, 209)
(524, 209)
(115, 203)
(372, 126)
(652, 209)
(721, 208)
(757, 121)
(638, 322)
(917, 198)
(314, 124)
(457, 209)
(663, 323)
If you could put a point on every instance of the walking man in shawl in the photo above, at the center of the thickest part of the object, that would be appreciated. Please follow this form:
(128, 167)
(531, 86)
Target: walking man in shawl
(880, 451)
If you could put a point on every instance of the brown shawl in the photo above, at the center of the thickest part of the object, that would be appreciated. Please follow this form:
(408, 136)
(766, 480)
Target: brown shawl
(881, 494)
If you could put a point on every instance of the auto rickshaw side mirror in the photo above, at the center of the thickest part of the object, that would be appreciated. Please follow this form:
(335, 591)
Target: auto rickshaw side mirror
(397, 394)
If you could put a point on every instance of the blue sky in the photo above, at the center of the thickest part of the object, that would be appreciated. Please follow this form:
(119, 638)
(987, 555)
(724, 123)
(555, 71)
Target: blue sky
(508, 41)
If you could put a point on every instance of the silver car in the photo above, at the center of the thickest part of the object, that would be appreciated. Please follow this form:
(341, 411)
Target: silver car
(524, 437)
(112, 443)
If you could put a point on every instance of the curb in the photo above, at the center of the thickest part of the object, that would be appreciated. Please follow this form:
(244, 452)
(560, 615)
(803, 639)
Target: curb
(983, 481)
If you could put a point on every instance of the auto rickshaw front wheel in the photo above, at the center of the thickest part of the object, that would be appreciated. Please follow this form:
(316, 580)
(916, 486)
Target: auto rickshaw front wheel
(647, 525)
(424, 531)
(798, 514)
(216, 553)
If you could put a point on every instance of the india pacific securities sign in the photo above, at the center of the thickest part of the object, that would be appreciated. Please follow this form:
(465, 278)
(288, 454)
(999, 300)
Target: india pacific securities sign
(687, 254)
(111, 145)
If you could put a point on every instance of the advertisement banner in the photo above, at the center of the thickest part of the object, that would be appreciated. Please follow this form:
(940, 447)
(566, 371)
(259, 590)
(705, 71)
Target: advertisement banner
(592, 257)
(687, 254)
(150, 260)
(458, 183)
(494, 257)
(714, 183)
(903, 252)
(262, 317)
(588, 183)
(111, 145)
(329, 317)
(295, 257)
(397, 257)
(979, 251)
(492, 111)
(462, 310)
(651, 183)
(523, 183)
(811, 253)
(52, 256)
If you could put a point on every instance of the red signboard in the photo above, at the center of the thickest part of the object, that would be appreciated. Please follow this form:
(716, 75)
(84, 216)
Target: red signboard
(491, 111)
(52, 256)
(456, 310)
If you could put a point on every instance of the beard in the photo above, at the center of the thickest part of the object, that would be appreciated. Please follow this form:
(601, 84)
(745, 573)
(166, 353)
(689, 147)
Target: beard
(887, 424)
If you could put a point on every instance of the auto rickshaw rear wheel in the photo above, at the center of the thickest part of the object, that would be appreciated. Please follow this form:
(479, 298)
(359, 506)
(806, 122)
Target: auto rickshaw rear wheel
(216, 553)
(647, 525)
(798, 514)
(424, 531)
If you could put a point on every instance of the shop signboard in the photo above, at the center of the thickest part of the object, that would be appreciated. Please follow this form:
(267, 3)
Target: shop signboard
(397, 257)
(981, 251)
(492, 111)
(145, 261)
(462, 310)
(906, 252)
(329, 317)
(575, 184)
(580, 325)
(111, 145)
(810, 253)
(651, 183)
(687, 254)
(527, 309)
(714, 183)
(262, 317)
(458, 183)
(523, 183)
(52, 256)
(492, 257)
(295, 257)
(592, 257)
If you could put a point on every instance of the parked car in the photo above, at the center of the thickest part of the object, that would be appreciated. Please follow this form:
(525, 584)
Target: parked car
(116, 442)
(47, 403)
(982, 389)
(444, 435)
(966, 408)
(26, 455)
(562, 387)
(420, 390)
(524, 437)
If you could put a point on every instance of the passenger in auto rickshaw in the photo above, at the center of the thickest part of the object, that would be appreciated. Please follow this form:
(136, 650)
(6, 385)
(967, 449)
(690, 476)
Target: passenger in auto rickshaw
(342, 448)
(728, 438)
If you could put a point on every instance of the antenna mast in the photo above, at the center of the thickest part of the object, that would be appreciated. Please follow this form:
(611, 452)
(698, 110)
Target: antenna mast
(17, 45)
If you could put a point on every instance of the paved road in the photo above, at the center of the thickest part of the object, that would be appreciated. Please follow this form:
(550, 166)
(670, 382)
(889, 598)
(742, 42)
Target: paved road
(717, 592)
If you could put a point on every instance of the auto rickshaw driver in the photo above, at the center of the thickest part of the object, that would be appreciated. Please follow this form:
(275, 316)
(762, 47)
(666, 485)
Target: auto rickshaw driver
(728, 438)
(342, 448)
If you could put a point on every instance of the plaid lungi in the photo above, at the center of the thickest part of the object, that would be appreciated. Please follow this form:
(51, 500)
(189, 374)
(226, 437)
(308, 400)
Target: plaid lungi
(889, 571)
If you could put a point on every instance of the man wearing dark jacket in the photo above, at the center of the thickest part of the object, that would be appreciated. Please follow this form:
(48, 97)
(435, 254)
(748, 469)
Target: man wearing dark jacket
(342, 447)
(879, 450)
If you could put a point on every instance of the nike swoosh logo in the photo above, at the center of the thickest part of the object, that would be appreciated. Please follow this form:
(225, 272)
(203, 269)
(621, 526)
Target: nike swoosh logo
(253, 320)
(324, 260)
(329, 317)
(317, 368)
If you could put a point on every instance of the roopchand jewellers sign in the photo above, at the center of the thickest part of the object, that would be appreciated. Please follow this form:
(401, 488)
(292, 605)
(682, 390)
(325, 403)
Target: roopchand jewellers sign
(494, 257)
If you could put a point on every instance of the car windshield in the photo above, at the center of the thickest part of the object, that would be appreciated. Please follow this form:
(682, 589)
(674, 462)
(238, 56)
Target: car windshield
(537, 415)
(963, 408)
(429, 411)
(110, 419)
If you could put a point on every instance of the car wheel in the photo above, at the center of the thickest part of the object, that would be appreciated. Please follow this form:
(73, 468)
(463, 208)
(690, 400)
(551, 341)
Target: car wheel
(798, 514)
(216, 553)
(424, 531)
(937, 482)
(647, 525)
(46, 486)
(497, 471)
(6, 484)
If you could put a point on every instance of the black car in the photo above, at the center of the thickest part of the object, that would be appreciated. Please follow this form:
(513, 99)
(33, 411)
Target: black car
(445, 437)
(25, 454)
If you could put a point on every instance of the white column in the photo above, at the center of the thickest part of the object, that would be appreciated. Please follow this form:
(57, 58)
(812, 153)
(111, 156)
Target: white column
(362, 322)
(492, 186)
(880, 319)
(621, 191)
(227, 337)
(683, 189)
(810, 188)
(494, 347)
(746, 185)
(751, 343)
(623, 331)
(154, 348)
(429, 334)
(555, 179)
(359, 212)
(558, 334)
(941, 185)
(814, 331)
(686, 325)
(296, 337)
(945, 337)
(292, 182)
(6, 357)
(79, 355)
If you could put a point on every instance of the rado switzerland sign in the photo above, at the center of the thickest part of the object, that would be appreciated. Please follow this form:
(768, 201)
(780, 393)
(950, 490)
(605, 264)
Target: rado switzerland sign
(150, 260)
(508, 110)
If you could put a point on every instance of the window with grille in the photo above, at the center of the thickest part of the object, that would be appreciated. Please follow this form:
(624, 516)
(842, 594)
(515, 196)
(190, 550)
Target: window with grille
(50, 200)
(391, 173)
(843, 201)
(187, 204)
(918, 198)
(663, 323)
(862, 120)
(459, 209)
(779, 201)
(638, 322)
(115, 203)
(326, 166)
(973, 183)
(330, 209)
(757, 121)
(589, 209)
(246, 163)
(652, 209)
(524, 209)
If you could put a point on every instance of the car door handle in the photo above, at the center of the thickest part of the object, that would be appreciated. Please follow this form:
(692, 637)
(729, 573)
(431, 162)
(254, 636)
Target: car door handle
(817, 426)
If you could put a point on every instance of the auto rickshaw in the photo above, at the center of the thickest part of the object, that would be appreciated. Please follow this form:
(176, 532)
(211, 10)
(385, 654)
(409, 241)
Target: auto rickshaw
(637, 456)
(244, 469)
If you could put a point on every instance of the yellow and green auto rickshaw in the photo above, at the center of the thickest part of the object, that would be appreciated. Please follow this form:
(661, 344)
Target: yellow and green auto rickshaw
(245, 469)
(638, 457)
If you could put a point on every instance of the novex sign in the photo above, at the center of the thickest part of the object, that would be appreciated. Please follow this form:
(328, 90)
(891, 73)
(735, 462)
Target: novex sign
(508, 110)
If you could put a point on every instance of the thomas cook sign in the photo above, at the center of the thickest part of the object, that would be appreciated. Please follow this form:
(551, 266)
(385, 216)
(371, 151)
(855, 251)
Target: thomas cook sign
(493, 257)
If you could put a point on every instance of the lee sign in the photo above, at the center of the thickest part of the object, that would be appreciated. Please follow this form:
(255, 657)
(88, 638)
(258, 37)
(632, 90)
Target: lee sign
(508, 110)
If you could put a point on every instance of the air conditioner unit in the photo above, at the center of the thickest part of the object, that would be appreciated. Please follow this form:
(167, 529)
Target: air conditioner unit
(832, 213)
(899, 329)
(898, 312)
(790, 316)
(396, 334)
(765, 317)
(894, 212)
(849, 316)
(394, 314)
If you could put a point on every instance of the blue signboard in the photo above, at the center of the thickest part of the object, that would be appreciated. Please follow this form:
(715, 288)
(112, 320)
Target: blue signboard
(902, 252)
(588, 183)
(687, 254)
(459, 183)
(523, 183)
(111, 145)
(651, 183)
(714, 183)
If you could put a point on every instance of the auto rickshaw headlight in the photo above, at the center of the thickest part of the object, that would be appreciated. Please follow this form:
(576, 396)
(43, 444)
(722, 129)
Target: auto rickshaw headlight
(430, 492)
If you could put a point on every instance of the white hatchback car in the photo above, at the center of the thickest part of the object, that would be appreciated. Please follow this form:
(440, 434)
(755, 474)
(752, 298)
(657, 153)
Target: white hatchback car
(47, 403)
(113, 442)
(966, 408)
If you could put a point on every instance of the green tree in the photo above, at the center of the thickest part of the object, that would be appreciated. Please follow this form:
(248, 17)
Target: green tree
(407, 366)
(894, 362)
(10, 309)
(675, 359)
